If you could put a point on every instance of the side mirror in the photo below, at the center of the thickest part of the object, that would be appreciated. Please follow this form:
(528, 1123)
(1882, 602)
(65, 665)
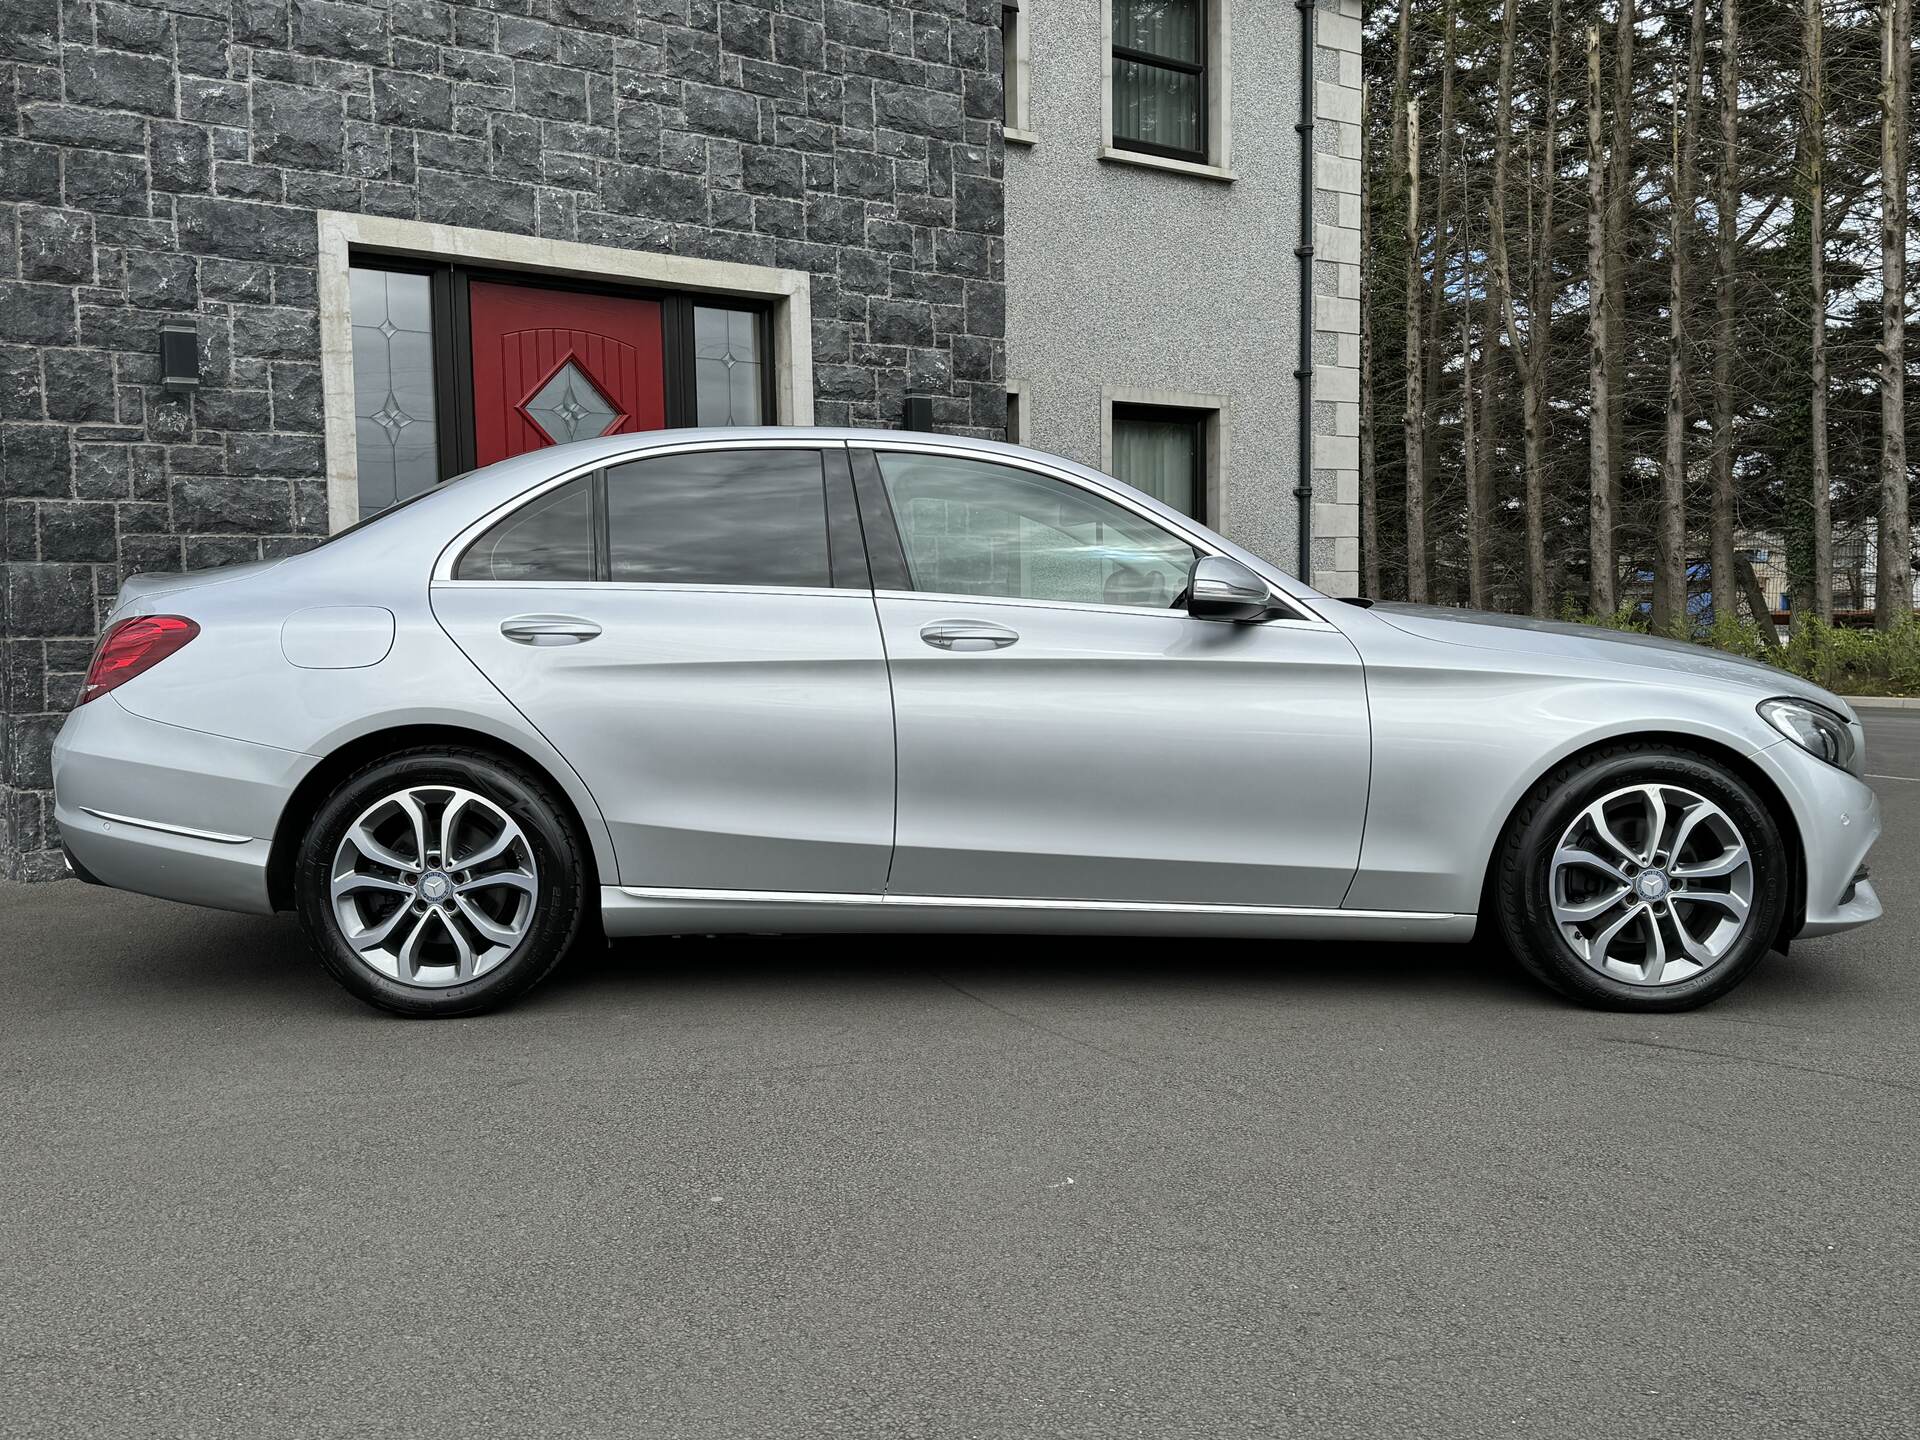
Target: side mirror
(1223, 589)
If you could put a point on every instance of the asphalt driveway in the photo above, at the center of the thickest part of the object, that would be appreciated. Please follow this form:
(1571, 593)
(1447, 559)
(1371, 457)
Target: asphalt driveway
(899, 1188)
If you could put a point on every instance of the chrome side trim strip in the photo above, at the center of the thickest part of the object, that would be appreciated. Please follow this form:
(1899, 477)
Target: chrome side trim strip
(980, 902)
(187, 830)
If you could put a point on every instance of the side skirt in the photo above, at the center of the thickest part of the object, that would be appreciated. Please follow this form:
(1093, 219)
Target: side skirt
(640, 910)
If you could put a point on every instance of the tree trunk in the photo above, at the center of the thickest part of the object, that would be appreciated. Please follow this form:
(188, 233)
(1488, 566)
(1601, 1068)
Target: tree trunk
(1402, 60)
(1369, 485)
(1546, 290)
(1499, 262)
(1413, 423)
(1670, 527)
(1619, 202)
(1437, 287)
(1756, 600)
(1670, 535)
(1720, 519)
(1530, 350)
(1893, 589)
(1480, 457)
(1469, 449)
(1599, 419)
(1821, 480)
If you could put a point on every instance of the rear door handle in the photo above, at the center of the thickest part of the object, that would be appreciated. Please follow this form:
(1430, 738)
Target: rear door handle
(548, 629)
(967, 635)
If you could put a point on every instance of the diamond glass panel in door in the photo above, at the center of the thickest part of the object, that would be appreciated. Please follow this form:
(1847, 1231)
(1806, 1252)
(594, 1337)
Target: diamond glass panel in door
(395, 434)
(1158, 70)
(570, 406)
(728, 383)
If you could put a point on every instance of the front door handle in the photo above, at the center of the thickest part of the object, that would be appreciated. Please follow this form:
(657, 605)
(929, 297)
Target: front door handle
(967, 635)
(548, 629)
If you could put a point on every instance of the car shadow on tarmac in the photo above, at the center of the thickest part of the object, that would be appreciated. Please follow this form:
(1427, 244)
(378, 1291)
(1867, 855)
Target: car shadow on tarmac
(135, 946)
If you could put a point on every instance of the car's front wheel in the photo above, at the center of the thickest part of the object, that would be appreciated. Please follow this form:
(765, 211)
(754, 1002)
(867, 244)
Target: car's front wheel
(1638, 877)
(440, 882)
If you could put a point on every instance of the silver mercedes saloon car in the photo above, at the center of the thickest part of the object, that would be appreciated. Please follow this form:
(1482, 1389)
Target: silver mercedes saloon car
(833, 680)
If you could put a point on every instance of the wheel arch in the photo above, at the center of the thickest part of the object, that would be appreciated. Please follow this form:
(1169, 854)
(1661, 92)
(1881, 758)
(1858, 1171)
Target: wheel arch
(311, 793)
(1762, 784)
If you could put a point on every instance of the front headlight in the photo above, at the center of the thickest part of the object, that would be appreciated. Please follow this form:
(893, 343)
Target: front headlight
(1815, 729)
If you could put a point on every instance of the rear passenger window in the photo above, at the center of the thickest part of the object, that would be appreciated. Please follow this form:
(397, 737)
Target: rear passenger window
(550, 538)
(726, 517)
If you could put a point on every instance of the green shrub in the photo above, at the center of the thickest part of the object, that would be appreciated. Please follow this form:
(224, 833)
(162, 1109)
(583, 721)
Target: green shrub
(1903, 656)
(1846, 661)
(1625, 618)
(1858, 662)
(1739, 637)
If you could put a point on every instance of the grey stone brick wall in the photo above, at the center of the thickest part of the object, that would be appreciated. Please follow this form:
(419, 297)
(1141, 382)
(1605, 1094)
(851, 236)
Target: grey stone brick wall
(165, 158)
(1336, 300)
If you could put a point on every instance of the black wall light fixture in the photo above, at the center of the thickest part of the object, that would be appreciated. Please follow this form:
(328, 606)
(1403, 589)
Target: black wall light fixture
(919, 412)
(180, 355)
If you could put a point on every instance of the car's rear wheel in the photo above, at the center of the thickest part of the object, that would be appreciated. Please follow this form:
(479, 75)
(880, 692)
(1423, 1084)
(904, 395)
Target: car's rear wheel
(440, 882)
(1638, 877)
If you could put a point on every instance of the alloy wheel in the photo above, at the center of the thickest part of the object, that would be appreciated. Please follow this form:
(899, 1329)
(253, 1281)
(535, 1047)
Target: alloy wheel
(1651, 884)
(434, 885)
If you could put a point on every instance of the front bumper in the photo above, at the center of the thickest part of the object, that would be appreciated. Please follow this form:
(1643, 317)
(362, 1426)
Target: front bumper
(167, 811)
(1839, 819)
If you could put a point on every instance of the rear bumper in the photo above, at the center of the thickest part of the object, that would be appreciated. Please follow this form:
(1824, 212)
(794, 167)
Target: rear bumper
(167, 811)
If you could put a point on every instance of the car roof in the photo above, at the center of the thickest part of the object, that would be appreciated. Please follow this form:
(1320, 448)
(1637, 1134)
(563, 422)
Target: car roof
(585, 451)
(508, 477)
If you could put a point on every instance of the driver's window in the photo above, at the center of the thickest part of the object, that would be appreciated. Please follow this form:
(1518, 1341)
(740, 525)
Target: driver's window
(974, 528)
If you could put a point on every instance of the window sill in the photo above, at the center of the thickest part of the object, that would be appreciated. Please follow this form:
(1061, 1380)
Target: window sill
(1164, 162)
(1017, 136)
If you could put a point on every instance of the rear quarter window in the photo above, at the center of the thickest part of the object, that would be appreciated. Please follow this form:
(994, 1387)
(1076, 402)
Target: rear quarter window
(548, 538)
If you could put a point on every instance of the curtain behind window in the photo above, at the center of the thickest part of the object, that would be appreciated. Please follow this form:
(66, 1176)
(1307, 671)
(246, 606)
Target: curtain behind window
(1152, 104)
(1161, 457)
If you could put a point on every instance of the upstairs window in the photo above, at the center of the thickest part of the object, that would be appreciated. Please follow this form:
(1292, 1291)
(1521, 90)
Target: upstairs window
(1160, 77)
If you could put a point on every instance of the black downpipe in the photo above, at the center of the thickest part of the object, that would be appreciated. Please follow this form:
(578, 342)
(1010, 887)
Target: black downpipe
(1303, 492)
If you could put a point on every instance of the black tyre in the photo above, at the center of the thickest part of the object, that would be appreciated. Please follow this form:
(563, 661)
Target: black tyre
(440, 882)
(1641, 877)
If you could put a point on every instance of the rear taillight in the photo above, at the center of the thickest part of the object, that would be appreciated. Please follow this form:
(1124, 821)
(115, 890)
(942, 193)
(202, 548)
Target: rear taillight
(131, 647)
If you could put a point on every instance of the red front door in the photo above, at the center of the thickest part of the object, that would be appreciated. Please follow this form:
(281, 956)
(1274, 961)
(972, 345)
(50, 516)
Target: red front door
(551, 366)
